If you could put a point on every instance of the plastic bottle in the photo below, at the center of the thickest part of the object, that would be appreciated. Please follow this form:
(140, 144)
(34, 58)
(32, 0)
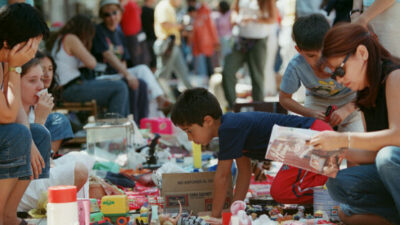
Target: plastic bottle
(154, 215)
(62, 207)
(196, 155)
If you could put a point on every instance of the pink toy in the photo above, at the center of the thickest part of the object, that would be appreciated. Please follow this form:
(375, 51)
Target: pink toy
(238, 210)
(157, 125)
(84, 211)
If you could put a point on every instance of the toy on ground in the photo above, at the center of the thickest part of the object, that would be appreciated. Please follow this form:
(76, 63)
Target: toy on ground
(115, 209)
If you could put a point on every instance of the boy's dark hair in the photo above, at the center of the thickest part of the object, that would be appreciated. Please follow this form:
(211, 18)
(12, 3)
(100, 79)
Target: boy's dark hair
(193, 105)
(309, 31)
(19, 22)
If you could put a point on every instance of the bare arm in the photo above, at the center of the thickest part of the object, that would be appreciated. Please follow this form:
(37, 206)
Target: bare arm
(120, 66)
(369, 141)
(342, 113)
(75, 46)
(221, 181)
(116, 63)
(169, 25)
(286, 100)
(243, 180)
(374, 10)
(10, 103)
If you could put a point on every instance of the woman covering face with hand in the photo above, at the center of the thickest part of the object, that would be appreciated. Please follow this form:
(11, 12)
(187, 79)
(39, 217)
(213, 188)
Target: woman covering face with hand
(22, 29)
(369, 192)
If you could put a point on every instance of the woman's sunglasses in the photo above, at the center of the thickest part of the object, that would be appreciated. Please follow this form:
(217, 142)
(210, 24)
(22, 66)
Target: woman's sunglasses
(339, 71)
(113, 13)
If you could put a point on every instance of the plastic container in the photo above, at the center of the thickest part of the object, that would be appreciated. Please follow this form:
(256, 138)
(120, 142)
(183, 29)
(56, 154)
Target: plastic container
(196, 155)
(62, 207)
(325, 204)
(110, 139)
(157, 125)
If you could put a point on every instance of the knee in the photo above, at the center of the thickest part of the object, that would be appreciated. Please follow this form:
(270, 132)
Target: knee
(388, 160)
(335, 189)
(343, 217)
(81, 175)
(19, 135)
(121, 87)
(41, 137)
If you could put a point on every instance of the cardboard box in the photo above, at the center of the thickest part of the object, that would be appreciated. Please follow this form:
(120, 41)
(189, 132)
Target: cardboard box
(193, 190)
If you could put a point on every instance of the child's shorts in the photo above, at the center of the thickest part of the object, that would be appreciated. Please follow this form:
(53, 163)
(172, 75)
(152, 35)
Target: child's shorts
(15, 151)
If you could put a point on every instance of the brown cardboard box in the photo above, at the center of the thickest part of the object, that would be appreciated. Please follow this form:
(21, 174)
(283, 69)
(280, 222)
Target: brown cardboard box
(193, 190)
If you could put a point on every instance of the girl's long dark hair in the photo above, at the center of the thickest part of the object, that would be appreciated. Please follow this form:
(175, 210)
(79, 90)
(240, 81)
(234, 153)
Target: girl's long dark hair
(81, 26)
(41, 55)
(345, 38)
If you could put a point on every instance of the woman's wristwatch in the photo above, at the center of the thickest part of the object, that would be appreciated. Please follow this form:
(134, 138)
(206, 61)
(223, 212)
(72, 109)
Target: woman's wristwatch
(16, 69)
(355, 11)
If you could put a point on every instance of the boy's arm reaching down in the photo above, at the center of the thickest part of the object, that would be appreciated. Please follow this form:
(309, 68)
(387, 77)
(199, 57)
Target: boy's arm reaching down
(221, 181)
(243, 180)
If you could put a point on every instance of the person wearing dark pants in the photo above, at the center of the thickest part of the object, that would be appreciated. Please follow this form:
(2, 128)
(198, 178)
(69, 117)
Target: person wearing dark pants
(253, 19)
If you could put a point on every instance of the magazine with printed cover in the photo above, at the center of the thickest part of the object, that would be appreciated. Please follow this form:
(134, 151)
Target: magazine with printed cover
(291, 146)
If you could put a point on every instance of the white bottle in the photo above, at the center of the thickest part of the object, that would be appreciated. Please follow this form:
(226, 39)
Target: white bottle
(62, 207)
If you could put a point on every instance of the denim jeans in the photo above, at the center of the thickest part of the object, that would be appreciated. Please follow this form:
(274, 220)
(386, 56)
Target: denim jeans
(41, 138)
(370, 189)
(112, 94)
(59, 127)
(203, 65)
(139, 102)
(15, 151)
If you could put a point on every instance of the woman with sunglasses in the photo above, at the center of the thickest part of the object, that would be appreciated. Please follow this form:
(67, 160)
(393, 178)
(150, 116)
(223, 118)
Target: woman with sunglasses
(370, 192)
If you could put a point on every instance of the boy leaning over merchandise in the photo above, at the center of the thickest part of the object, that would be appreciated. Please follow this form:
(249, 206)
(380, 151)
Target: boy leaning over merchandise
(242, 137)
(308, 33)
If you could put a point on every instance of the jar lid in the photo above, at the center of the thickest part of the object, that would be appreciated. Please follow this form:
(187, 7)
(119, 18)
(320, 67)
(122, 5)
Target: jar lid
(62, 194)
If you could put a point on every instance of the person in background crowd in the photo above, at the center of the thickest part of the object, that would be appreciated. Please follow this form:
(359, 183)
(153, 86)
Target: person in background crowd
(109, 46)
(148, 28)
(70, 49)
(253, 18)
(383, 17)
(224, 28)
(342, 9)
(131, 25)
(167, 30)
(204, 40)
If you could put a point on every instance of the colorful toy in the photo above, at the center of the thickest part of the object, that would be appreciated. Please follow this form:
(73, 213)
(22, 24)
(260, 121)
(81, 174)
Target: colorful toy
(144, 214)
(84, 211)
(96, 217)
(115, 209)
(157, 125)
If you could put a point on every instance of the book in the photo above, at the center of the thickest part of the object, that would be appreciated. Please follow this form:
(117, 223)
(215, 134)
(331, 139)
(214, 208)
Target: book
(291, 146)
